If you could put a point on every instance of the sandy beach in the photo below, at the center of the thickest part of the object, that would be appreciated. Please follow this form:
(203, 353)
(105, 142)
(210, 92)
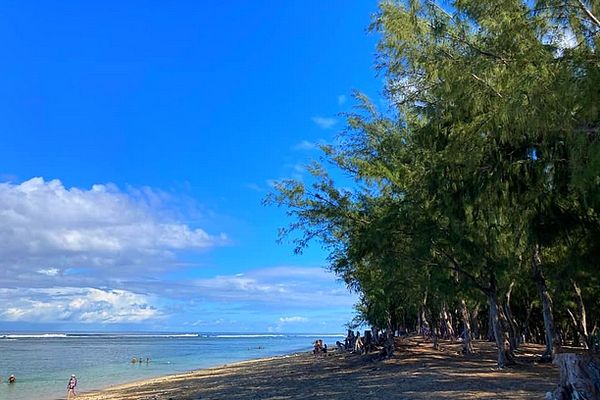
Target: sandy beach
(415, 372)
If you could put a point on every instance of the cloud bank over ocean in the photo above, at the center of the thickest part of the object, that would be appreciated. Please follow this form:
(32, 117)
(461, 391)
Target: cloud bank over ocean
(109, 256)
(46, 227)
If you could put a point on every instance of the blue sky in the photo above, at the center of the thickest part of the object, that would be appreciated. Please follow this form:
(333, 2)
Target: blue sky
(138, 140)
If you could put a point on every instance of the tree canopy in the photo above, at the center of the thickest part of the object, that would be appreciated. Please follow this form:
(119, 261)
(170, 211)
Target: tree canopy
(479, 187)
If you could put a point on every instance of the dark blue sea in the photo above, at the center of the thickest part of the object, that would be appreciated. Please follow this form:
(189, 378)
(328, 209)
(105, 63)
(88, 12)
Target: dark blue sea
(43, 363)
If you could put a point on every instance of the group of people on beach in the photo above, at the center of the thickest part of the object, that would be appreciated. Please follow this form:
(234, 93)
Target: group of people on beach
(319, 347)
(353, 342)
(356, 343)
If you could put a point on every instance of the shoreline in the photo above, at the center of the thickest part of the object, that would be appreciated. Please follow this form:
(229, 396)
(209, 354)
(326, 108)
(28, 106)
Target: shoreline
(416, 372)
(94, 393)
(103, 361)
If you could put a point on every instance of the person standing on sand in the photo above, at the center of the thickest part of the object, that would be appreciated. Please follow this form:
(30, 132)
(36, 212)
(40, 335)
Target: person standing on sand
(71, 387)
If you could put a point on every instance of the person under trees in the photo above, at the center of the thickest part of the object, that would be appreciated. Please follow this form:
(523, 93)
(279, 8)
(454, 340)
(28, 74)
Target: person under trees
(481, 183)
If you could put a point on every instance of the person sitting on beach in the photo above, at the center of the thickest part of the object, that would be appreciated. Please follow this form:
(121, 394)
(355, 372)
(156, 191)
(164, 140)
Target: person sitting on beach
(317, 347)
(349, 341)
(358, 345)
(12, 379)
(71, 387)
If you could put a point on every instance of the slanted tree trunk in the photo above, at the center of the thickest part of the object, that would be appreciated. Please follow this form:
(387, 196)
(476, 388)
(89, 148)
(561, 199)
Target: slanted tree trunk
(467, 346)
(497, 329)
(445, 323)
(527, 333)
(475, 321)
(579, 378)
(434, 331)
(506, 330)
(581, 321)
(499, 337)
(549, 328)
(450, 324)
(510, 319)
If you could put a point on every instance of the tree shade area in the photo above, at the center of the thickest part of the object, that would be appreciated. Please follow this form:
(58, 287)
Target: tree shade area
(473, 206)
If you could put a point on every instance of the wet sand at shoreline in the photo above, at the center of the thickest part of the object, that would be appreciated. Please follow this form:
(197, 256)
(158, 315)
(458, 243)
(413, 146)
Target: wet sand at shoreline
(415, 372)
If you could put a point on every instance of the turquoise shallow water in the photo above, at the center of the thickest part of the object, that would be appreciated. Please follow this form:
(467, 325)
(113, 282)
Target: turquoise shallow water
(43, 363)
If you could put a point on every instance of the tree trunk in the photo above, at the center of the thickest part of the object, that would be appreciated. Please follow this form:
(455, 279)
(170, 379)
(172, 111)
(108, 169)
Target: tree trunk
(368, 342)
(424, 326)
(446, 324)
(496, 325)
(467, 346)
(450, 320)
(579, 378)
(510, 319)
(506, 331)
(376, 334)
(434, 336)
(527, 333)
(490, 327)
(389, 343)
(475, 321)
(581, 324)
(498, 336)
(549, 328)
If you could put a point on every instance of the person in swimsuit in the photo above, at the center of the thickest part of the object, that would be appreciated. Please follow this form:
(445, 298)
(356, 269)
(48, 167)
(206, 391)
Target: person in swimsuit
(71, 387)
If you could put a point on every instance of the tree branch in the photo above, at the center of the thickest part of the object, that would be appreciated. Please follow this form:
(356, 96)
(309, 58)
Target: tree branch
(488, 85)
(455, 266)
(589, 14)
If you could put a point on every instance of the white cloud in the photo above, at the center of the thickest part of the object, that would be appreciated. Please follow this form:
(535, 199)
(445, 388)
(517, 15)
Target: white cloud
(305, 145)
(203, 323)
(293, 287)
(43, 223)
(287, 320)
(49, 271)
(104, 256)
(254, 187)
(341, 99)
(83, 305)
(281, 296)
(284, 322)
(325, 122)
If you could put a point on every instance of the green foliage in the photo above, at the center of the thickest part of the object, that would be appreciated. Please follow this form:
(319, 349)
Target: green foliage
(491, 151)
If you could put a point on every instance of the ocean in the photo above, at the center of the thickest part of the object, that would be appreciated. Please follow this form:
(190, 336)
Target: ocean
(43, 363)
